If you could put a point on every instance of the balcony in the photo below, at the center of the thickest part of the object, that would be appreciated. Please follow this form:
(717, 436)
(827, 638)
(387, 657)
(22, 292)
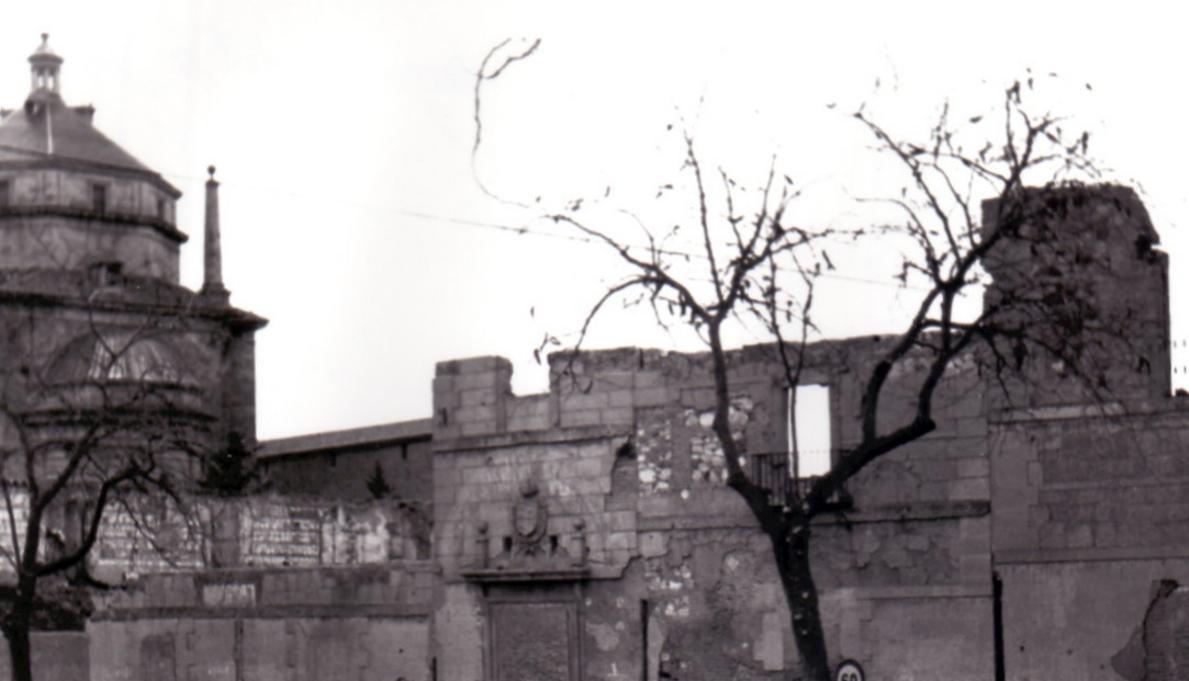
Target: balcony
(770, 470)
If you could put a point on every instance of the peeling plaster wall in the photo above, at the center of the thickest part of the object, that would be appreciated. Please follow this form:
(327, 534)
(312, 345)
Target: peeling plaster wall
(622, 444)
(1070, 620)
(253, 531)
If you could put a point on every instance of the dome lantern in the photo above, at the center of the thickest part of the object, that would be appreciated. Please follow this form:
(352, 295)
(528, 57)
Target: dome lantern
(44, 65)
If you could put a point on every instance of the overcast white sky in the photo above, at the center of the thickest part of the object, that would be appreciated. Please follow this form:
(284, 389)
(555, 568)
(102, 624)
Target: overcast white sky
(342, 133)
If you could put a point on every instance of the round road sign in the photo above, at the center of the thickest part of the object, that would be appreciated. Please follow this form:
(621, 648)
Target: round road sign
(849, 670)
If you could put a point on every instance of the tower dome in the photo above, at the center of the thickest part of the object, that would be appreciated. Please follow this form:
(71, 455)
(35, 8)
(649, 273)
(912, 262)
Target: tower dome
(70, 197)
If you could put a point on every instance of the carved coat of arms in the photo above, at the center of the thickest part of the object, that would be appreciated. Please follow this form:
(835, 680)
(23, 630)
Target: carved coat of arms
(529, 520)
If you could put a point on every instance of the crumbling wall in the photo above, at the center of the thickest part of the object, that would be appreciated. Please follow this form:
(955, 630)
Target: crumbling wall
(683, 581)
(1079, 619)
(1087, 257)
(368, 623)
(152, 535)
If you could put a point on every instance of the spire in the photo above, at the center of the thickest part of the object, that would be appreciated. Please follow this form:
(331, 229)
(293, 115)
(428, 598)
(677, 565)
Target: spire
(212, 280)
(44, 64)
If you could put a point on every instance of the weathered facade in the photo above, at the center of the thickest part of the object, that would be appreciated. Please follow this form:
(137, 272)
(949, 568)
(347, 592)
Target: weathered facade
(89, 288)
(586, 533)
(656, 566)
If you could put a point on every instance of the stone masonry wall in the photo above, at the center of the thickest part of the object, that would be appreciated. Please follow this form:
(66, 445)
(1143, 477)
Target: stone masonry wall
(344, 472)
(366, 623)
(55, 242)
(621, 446)
(1090, 509)
(1094, 479)
(150, 535)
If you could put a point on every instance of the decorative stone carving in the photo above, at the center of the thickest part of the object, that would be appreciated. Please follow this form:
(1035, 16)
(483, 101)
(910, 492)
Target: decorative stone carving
(530, 552)
(530, 519)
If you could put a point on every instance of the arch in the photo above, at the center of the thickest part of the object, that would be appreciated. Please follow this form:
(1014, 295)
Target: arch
(120, 355)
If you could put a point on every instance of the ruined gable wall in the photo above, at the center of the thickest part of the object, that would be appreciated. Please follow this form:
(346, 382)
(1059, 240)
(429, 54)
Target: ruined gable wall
(1088, 258)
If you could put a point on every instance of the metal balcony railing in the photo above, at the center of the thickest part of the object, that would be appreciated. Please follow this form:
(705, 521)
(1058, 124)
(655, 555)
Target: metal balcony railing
(770, 470)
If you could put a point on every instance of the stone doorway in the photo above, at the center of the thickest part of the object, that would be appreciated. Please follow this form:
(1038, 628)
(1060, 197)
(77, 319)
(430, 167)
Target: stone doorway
(533, 639)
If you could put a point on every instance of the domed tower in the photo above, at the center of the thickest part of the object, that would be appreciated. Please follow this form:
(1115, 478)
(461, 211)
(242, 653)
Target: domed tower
(93, 320)
(70, 197)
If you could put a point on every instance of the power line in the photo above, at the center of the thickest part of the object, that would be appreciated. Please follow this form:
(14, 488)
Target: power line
(523, 230)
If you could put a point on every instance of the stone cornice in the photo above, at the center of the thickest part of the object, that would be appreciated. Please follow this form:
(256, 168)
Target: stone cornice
(530, 438)
(158, 225)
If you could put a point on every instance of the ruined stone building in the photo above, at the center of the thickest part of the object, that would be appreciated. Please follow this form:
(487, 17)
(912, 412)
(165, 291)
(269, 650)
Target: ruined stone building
(585, 533)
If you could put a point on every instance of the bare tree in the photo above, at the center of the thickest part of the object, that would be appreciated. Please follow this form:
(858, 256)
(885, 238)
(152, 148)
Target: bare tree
(755, 267)
(102, 423)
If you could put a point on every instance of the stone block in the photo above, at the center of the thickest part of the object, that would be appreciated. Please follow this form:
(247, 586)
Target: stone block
(621, 398)
(475, 428)
(617, 416)
(655, 397)
(610, 381)
(697, 398)
(973, 468)
(970, 489)
(1080, 536)
(572, 419)
(620, 521)
(474, 414)
(653, 544)
(473, 397)
(647, 379)
(621, 540)
(473, 365)
(581, 401)
(527, 423)
(975, 568)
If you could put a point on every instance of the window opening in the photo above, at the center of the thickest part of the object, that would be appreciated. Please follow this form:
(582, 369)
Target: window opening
(808, 429)
(99, 198)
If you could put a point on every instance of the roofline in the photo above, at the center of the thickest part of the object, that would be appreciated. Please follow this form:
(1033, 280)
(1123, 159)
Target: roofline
(233, 317)
(420, 429)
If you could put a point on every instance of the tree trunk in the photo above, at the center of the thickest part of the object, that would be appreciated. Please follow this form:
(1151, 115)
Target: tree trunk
(16, 630)
(801, 595)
